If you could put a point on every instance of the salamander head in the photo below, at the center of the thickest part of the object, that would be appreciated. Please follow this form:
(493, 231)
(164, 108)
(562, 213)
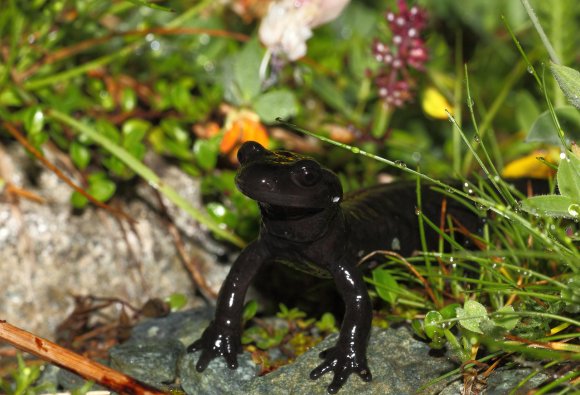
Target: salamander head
(285, 179)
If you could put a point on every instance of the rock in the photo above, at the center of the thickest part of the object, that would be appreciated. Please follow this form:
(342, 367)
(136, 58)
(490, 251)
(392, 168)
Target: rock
(217, 379)
(153, 362)
(71, 381)
(185, 326)
(399, 363)
(50, 252)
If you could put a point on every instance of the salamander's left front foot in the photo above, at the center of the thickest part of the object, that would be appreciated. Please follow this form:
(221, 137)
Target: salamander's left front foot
(342, 361)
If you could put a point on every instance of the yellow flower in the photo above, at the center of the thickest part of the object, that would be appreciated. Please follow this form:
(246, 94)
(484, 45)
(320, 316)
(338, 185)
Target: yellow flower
(434, 104)
(530, 166)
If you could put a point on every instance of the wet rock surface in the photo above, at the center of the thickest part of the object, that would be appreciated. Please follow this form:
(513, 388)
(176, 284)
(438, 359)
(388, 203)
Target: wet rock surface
(400, 364)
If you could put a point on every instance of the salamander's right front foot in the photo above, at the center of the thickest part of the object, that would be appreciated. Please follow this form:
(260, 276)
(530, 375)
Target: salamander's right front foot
(343, 362)
(216, 342)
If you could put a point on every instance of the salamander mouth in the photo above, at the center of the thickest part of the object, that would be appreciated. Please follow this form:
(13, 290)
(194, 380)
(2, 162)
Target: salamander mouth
(289, 213)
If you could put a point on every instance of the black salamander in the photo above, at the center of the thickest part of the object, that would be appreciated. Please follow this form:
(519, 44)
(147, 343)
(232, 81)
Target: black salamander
(306, 222)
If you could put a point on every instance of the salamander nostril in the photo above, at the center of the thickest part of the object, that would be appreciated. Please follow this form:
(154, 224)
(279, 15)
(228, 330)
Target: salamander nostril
(249, 151)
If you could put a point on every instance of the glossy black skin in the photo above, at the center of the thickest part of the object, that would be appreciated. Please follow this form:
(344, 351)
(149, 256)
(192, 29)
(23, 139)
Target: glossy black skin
(307, 223)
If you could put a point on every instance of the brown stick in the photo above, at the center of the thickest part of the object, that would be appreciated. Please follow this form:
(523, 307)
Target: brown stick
(53, 353)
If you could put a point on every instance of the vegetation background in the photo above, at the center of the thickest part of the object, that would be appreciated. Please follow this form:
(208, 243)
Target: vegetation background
(110, 82)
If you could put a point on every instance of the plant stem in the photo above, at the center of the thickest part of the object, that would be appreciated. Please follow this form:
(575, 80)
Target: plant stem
(68, 74)
(457, 98)
(543, 37)
(508, 84)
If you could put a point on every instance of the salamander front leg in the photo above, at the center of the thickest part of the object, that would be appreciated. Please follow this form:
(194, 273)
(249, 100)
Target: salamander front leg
(349, 354)
(222, 338)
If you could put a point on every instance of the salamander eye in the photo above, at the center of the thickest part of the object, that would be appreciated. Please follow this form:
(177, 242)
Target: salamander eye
(306, 173)
(249, 151)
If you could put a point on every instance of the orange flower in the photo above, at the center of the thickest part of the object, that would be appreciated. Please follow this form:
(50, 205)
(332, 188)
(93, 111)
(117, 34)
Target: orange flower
(242, 126)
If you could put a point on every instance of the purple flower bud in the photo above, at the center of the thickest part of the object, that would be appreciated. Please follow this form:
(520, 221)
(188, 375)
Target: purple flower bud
(404, 52)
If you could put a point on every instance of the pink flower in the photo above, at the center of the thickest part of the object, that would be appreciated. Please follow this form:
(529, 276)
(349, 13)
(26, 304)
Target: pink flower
(405, 51)
(289, 23)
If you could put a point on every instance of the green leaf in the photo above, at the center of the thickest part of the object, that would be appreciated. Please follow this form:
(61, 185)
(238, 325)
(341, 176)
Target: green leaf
(506, 320)
(250, 310)
(128, 99)
(471, 315)
(247, 71)
(450, 311)
(206, 153)
(117, 167)
(78, 201)
(108, 130)
(134, 130)
(433, 327)
(34, 120)
(386, 284)
(548, 205)
(527, 109)
(222, 214)
(80, 155)
(571, 295)
(569, 176)
(418, 329)
(569, 81)
(181, 97)
(176, 301)
(327, 323)
(543, 129)
(8, 97)
(100, 187)
(276, 104)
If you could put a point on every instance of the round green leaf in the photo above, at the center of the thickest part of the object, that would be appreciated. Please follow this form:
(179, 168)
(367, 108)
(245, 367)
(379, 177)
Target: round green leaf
(176, 301)
(78, 201)
(80, 155)
(433, 327)
(206, 153)
(100, 187)
(34, 120)
(128, 99)
(472, 314)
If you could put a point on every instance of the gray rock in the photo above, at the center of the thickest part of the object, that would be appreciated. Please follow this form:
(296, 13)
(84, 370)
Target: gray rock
(399, 363)
(153, 362)
(71, 381)
(59, 253)
(184, 326)
(217, 379)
